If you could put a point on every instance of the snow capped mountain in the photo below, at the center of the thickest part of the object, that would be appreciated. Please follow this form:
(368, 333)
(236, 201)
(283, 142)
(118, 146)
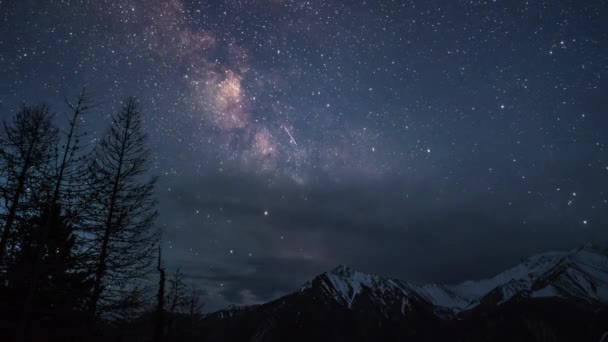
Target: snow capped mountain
(549, 297)
(345, 285)
(581, 273)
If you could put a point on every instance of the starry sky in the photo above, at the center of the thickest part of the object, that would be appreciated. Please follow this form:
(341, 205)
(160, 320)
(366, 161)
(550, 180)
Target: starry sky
(425, 140)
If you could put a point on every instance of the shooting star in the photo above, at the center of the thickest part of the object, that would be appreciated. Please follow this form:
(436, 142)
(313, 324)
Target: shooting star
(290, 136)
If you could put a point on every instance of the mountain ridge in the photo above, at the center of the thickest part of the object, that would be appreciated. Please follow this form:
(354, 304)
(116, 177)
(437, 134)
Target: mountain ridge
(589, 265)
(555, 296)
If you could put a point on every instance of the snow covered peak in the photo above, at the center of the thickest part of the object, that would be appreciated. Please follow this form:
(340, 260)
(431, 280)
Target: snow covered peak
(581, 273)
(343, 271)
(344, 284)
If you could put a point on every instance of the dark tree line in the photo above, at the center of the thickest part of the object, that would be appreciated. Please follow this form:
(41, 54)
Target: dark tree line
(77, 235)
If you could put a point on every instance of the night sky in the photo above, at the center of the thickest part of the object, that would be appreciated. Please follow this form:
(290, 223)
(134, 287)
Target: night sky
(425, 140)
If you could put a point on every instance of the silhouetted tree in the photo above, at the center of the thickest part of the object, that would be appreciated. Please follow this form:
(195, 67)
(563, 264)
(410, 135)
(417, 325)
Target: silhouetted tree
(76, 234)
(194, 305)
(159, 326)
(46, 278)
(65, 179)
(121, 207)
(25, 151)
(177, 300)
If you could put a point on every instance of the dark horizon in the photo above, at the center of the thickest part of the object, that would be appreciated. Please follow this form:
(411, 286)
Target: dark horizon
(430, 142)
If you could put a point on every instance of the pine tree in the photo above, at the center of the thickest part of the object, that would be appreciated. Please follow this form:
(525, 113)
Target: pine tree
(177, 296)
(45, 275)
(121, 207)
(25, 151)
(62, 182)
(176, 300)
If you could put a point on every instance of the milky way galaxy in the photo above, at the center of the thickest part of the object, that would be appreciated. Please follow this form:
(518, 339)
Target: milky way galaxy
(431, 141)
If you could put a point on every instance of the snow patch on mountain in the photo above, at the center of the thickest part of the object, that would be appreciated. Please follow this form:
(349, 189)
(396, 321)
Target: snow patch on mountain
(546, 292)
(580, 273)
(440, 295)
(525, 272)
(345, 284)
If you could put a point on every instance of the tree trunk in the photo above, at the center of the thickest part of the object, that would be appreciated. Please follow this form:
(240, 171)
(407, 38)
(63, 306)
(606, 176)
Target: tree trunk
(101, 266)
(160, 301)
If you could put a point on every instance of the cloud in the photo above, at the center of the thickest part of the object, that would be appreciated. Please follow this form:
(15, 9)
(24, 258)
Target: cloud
(369, 225)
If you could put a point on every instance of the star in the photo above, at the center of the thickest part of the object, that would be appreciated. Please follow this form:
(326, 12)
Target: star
(324, 113)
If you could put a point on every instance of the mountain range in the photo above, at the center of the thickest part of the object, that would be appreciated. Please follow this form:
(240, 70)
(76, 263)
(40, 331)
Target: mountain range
(556, 296)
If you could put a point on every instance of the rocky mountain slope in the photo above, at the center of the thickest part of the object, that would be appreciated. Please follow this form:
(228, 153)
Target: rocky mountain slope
(549, 297)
